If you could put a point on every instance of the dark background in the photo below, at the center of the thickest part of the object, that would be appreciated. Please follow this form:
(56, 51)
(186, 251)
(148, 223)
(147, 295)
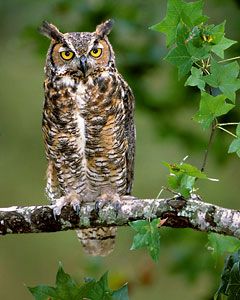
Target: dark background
(165, 132)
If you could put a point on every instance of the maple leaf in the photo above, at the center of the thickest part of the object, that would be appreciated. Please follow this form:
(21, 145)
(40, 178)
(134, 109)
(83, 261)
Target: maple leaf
(222, 45)
(182, 177)
(67, 289)
(220, 42)
(210, 108)
(180, 55)
(189, 13)
(225, 78)
(147, 236)
(196, 78)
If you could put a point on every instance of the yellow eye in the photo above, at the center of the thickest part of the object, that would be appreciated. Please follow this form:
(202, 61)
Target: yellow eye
(67, 55)
(96, 52)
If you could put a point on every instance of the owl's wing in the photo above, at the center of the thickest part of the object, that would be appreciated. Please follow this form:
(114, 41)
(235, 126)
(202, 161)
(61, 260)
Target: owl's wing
(130, 131)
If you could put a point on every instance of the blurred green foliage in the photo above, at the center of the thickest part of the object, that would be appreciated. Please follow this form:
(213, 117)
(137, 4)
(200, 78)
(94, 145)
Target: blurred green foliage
(165, 132)
(67, 289)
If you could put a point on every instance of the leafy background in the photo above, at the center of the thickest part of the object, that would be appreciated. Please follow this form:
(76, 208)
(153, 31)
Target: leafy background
(165, 132)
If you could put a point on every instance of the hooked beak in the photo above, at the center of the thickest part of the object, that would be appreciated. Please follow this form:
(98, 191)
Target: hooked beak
(83, 64)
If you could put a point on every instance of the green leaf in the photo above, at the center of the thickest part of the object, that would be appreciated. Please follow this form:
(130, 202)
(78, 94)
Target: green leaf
(43, 292)
(221, 244)
(99, 290)
(185, 53)
(188, 169)
(198, 53)
(217, 32)
(225, 78)
(191, 170)
(192, 13)
(169, 24)
(182, 177)
(177, 10)
(121, 294)
(233, 288)
(222, 45)
(195, 79)
(181, 183)
(179, 55)
(230, 278)
(235, 146)
(203, 39)
(147, 236)
(86, 288)
(67, 289)
(219, 41)
(210, 108)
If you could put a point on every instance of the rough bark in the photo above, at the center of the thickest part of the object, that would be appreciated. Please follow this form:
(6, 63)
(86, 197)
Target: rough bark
(191, 213)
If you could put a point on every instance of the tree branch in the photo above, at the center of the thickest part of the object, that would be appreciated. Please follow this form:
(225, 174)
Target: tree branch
(180, 213)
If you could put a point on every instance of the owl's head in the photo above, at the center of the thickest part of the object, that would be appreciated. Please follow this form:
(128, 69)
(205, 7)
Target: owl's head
(78, 53)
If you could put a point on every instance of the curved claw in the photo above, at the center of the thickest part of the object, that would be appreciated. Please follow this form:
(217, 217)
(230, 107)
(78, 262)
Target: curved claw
(100, 203)
(105, 199)
(58, 206)
(65, 200)
(76, 206)
(56, 211)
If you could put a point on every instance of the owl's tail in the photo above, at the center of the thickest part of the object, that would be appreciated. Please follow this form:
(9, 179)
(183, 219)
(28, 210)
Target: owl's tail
(98, 241)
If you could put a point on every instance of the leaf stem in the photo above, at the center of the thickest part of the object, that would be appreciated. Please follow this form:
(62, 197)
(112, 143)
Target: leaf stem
(199, 66)
(207, 72)
(227, 131)
(208, 62)
(227, 124)
(214, 123)
(229, 59)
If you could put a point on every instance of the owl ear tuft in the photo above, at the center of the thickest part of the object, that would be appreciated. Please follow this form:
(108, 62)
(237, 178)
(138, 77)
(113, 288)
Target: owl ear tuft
(104, 28)
(51, 31)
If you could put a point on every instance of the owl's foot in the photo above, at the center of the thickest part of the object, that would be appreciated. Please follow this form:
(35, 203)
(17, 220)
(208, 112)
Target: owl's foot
(72, 199)
(107, 196)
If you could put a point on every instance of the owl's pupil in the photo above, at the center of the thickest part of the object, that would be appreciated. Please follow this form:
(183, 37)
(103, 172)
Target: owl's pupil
(95, 51)
(67, 53)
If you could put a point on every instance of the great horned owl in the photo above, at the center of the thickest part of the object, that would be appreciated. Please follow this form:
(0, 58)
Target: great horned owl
(88, 125)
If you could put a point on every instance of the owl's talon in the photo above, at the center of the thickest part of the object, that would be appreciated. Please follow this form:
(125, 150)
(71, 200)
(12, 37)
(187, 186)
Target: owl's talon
(56, 212)
(58, 206)
(108, 198)
(100, 203)
(117, 205)
(76, 206)
(71, 199)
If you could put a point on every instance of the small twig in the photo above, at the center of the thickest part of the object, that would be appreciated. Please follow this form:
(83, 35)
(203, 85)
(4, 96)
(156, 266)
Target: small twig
(229, 59)
(227, 131)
